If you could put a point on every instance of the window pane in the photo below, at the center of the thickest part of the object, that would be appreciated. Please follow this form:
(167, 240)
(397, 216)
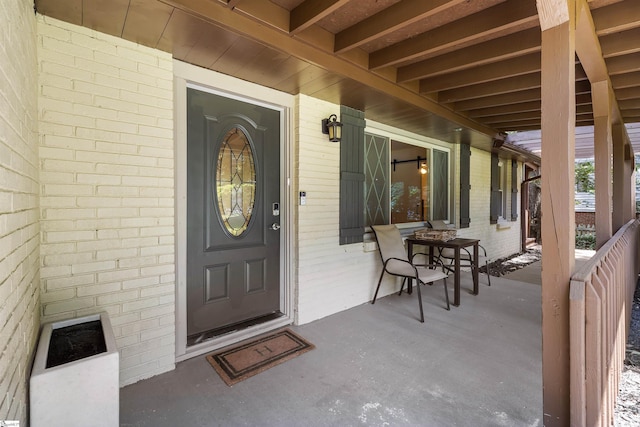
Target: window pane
(409, 187)
(440, 176)
(376, 186)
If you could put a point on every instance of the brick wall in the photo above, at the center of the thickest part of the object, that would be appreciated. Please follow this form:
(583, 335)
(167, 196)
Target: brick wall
(107, 189)
(19, 232)
(326, 277)
(585, 218)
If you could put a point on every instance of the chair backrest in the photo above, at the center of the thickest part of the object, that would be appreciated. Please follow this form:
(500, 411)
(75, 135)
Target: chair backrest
(390, 242)
(438, 224)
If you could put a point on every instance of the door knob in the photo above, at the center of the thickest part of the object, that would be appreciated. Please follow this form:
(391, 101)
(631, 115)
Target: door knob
(275, 226)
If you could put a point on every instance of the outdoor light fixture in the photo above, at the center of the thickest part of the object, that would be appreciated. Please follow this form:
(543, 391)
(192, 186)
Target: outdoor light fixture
(423, 169)
(333, 128)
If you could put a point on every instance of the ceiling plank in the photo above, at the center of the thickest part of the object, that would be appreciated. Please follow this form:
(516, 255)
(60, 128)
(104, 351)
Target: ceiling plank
(496, 21)
(482, 74)
(264, 12)
(105, 16)
(64, 10)
(146, 22)
(389, 20)
(499, 49)
(309, 12)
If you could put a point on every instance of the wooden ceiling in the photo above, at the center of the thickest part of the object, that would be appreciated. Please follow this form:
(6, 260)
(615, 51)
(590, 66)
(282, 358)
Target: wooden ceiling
(456, 70)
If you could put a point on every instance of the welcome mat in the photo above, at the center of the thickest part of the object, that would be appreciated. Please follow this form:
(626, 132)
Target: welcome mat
(246, 360)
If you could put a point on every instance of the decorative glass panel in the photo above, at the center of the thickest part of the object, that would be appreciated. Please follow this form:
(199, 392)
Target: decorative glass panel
(376, 184)
(236, 182)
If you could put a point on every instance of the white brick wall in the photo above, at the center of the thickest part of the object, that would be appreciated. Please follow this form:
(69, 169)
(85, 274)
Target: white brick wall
(332, 277)
(107, 189)
(499, 242)
(326, 277)
(19, 232)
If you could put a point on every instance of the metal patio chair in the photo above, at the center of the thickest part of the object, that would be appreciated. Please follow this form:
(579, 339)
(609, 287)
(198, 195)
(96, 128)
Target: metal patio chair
(396, 262)
(446, 256)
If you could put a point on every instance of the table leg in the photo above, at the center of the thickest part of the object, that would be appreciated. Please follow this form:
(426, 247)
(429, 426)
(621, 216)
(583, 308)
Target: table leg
(456, 278)
(475, 270)
(409, 279)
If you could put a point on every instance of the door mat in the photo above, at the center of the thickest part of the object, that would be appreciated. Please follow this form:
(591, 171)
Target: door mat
(246, 360)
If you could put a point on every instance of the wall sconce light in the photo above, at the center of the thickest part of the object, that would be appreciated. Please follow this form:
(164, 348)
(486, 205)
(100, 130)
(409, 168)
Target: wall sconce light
(423, 169)
(333, 128)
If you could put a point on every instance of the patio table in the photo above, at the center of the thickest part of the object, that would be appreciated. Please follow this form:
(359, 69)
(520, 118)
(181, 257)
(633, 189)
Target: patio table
(455, 244)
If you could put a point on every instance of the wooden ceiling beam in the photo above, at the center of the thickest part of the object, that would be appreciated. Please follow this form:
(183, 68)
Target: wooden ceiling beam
(621, 81)
(511, 84)
(505, 18)
(522, 43)
(520, 107)
(311, 53)
(623, 43)
(482, 74)
(309, 12)
(617, 17)
(498, 100)
(391, 19)
(590, 54)
(623, 64)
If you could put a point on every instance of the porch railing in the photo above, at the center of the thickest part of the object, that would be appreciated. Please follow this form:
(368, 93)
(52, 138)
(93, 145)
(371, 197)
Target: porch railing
(601, 297)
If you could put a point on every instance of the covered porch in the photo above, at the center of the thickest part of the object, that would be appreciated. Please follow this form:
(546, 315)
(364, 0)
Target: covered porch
(479, 364)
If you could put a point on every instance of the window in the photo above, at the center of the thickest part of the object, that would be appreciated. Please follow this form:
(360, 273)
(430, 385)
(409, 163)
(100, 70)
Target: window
(404, 182)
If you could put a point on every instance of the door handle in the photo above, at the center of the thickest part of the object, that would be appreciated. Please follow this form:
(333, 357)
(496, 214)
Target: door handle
(275, 226)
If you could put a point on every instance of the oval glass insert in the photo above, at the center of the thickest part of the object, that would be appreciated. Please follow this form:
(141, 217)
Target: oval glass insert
(236, 182)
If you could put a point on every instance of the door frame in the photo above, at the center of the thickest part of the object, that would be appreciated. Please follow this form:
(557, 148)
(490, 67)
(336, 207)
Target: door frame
(186, 75)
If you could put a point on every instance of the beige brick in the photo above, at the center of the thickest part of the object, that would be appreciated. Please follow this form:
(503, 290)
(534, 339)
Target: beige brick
(68, 306)
(95, 290)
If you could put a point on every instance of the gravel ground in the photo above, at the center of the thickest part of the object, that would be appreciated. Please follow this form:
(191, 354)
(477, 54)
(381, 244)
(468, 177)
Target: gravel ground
(627, 411)
(628, 405)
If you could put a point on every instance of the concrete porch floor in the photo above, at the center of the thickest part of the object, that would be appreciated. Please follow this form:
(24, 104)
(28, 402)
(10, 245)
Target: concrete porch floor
(476, 365)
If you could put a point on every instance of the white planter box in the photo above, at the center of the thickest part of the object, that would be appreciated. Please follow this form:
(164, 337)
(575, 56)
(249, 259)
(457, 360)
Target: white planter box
(83, 392)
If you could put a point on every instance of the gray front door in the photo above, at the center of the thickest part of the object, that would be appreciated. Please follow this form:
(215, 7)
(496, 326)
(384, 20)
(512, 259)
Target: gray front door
(233, 218)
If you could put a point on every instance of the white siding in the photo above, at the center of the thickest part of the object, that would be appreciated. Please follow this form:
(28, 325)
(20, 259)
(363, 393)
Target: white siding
(107, 189)
(19, 231)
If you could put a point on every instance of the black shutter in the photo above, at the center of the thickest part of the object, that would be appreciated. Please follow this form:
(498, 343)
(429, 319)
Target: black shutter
(465, 185)
(514, 190)
(351, 176)
(496, 199)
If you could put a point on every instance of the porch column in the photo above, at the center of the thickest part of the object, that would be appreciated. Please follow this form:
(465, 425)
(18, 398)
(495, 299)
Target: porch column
(601, 96)
(623, 191)
(557, 21)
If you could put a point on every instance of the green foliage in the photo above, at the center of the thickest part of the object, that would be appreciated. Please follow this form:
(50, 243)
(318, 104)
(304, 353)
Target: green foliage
(586, 241)
(584, 177)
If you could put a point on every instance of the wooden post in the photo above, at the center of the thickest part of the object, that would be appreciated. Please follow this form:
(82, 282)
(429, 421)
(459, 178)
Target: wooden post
(601, 95)
(621, 192)
(557, 20)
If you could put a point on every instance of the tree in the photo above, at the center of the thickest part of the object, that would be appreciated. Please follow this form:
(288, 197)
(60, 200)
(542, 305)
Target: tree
(585, 182)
